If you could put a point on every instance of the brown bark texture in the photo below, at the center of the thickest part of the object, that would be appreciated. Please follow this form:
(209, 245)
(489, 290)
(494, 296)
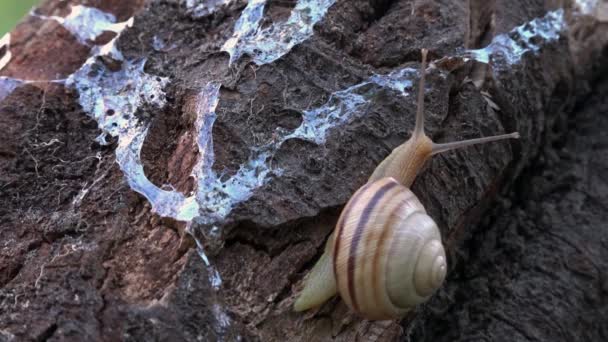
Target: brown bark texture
(525, 222)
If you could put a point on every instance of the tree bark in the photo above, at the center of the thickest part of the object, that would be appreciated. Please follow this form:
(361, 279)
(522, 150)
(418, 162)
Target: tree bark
(84, 256)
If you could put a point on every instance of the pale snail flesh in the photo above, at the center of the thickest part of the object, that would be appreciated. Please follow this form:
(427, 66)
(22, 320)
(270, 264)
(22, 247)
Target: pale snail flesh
(386, 255)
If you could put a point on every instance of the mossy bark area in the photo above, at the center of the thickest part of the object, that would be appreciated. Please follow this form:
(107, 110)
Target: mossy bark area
(523, 222)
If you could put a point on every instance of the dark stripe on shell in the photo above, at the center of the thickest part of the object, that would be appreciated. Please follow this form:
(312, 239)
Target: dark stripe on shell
(340, 226)
(361, 223)
(393, 218)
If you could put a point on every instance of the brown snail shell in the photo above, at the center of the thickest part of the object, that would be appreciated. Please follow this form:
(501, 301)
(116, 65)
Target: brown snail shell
(388, 255)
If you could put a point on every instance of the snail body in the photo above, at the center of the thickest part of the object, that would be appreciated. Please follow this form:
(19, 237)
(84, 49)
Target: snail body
(385, 255)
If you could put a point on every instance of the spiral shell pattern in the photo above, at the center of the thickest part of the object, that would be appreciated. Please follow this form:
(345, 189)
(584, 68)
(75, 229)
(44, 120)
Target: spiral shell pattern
(388, 255)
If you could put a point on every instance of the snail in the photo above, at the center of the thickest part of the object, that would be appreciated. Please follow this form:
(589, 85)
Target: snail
(385, 255)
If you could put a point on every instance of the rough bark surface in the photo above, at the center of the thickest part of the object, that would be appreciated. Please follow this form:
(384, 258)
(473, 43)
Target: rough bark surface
(524, 222)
